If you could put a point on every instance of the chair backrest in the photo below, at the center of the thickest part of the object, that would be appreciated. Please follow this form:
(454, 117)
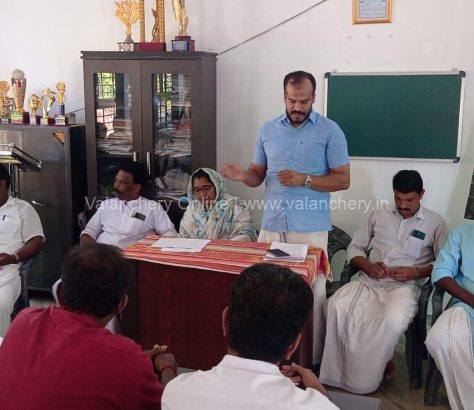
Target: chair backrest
(23, 300)
(337, 240)
(438, 303)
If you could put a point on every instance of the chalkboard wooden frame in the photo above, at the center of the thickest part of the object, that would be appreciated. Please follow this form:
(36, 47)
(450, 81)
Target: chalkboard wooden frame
(398, 115)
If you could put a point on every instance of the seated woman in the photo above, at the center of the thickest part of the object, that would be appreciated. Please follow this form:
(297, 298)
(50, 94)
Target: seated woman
(212, 213)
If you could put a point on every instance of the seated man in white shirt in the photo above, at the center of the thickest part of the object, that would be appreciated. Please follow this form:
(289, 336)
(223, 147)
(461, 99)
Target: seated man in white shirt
(21, 237)
(268, 307)
(366, 317)
(128, 217)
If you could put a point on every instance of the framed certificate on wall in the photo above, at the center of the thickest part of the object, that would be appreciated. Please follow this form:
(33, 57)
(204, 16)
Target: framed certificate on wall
(371, 11)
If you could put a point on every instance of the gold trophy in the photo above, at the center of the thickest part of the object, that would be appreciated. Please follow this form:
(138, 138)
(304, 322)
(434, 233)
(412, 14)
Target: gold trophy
(46, 120)
(19, 115)
(34, 102)
(61, 119)
(158, 42)
(141, 16)
(4, 102)
(182, 41)
(128, 11)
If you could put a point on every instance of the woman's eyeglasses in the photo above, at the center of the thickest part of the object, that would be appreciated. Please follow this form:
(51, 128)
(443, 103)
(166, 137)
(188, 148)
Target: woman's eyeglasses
(204, 188)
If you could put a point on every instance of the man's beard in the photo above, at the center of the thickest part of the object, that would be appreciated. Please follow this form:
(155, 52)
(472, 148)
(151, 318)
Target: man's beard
(298, 121)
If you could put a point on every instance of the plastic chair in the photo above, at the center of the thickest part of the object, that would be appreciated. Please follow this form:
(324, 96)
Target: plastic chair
(338, 240)
(23, 300)
(415, 335)
(433, 375)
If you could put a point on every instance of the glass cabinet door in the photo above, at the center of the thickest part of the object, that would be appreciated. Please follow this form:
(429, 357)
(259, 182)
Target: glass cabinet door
(172, 134)
(114, 131)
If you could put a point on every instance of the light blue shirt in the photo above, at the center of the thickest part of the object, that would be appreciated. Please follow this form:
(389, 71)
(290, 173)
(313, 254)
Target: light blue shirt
(456, 260)
(313, 148)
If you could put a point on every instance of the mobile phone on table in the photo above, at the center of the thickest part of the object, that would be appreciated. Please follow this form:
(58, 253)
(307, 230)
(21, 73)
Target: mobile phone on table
(278, 252)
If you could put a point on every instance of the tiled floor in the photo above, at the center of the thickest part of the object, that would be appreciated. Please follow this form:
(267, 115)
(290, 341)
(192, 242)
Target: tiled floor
(396, 395)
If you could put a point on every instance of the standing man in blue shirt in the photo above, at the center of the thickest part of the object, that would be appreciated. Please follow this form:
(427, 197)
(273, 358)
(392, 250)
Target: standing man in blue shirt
(302, 157)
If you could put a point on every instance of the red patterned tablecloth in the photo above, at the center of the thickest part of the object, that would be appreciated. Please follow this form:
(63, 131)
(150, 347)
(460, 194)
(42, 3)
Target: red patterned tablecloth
(227, 256)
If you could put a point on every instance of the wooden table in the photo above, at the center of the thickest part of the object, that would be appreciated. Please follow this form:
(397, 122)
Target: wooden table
(180, 296)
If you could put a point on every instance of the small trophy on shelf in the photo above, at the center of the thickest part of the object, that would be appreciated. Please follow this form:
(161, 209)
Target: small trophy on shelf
(128, 11)
(46, 120)
(61, 119)
(19, 115)
(34, 102)
(4, 102)
(182, 41)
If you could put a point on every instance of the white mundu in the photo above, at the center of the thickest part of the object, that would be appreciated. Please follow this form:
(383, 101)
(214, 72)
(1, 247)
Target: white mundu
(450, 344)
(19, 222)
(365, 318)
(320, 240)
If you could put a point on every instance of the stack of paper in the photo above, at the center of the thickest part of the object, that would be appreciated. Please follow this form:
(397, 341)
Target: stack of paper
(180, 244)
(296, 252)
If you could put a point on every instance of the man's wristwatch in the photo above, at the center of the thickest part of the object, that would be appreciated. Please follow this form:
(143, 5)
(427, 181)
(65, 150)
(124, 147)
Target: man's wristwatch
(308, 181)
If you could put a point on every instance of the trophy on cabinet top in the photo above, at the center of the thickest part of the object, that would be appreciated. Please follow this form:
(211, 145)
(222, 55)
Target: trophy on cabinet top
(158, 42)
(19, 115)
(182, 41)
(4, 102)
(61, 118)
(49, 94)
(34, 102)
(128, 11)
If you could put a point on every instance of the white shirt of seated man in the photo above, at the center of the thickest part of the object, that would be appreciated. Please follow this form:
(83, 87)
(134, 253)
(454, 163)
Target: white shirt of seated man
(123, 220)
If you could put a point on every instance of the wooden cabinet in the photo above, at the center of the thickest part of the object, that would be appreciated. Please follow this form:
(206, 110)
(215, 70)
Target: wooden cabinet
(57, 192)
(155, 108)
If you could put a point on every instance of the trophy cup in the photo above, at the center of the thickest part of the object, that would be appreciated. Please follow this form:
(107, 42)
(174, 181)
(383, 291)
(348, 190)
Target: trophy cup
(19, 115)
(4, 103)
(61, 119)
(34, 102)
(128, 11)
(158, 42)
(46, 120)
(182, 41)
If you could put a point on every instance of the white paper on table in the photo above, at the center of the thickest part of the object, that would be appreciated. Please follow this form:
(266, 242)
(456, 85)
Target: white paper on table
(297, 252)
(180, 244)
(181, 250)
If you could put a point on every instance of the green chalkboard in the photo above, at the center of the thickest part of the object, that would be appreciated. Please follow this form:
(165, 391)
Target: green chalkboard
(398, 115)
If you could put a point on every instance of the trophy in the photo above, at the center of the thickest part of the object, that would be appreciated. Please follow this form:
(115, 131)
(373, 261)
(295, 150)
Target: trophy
(158, 42)
(34, 102)
(61, 119)
(128, 11)
(19, 115)
(46, 120)
(4, 103)
(182, 41)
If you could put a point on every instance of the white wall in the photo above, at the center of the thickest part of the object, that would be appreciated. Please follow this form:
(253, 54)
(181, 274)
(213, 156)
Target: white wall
(45, 40)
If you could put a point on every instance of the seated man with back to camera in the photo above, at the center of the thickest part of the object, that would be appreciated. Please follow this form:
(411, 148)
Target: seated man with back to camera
(61, 357)
(268, 307)
(212, 213)
(451, 339)
(366, 317)
(21, 237)
(128, 217)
